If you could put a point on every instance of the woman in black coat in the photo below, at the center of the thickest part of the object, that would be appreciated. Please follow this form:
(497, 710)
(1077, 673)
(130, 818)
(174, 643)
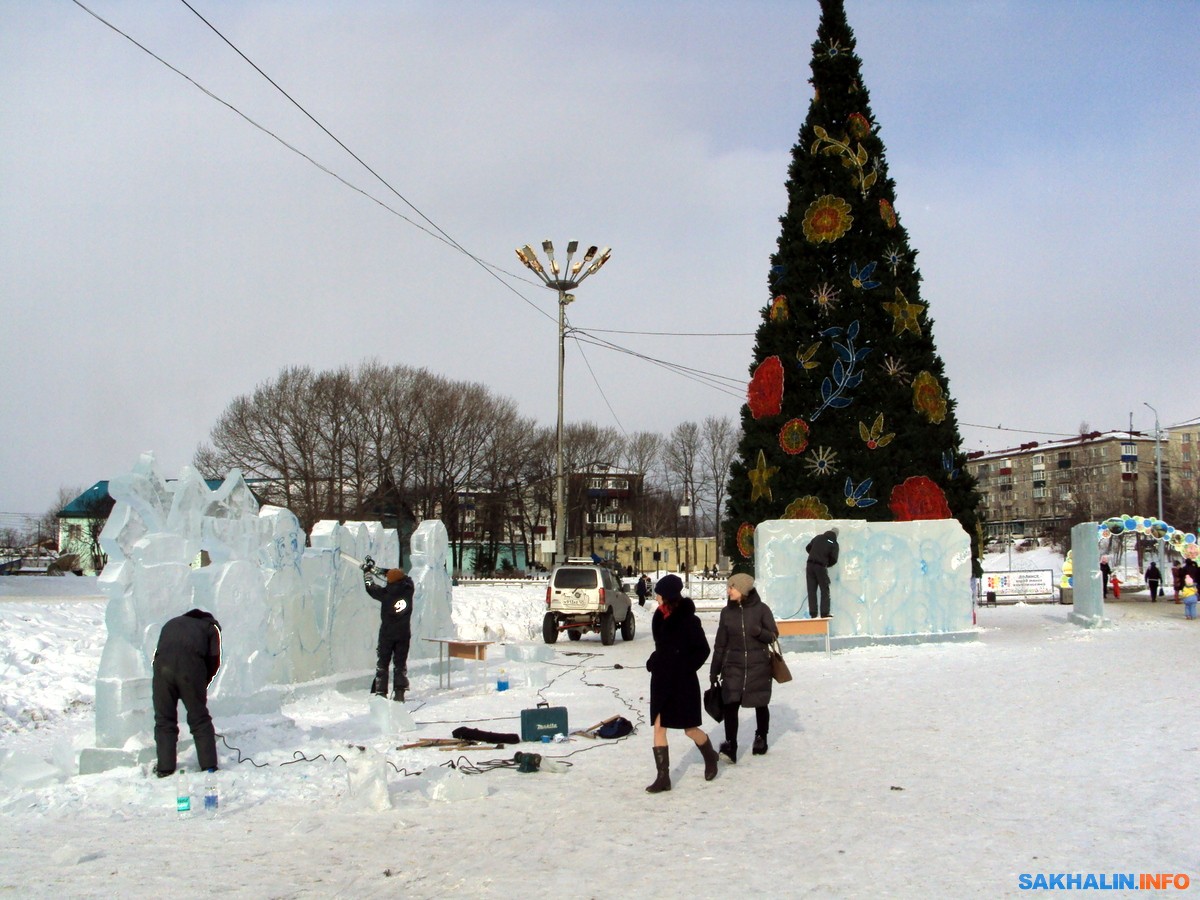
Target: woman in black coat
(680, 649)
(742, 662)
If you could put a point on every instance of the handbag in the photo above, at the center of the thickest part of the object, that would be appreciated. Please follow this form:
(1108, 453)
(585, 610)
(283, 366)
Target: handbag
(779, 669)
(713, 705)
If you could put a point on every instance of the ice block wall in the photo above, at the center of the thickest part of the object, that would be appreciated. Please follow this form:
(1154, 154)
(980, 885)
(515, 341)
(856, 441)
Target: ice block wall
(892, 578)
(289, 612)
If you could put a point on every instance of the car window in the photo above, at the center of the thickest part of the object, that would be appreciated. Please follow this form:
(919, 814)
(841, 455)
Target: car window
(575, 578)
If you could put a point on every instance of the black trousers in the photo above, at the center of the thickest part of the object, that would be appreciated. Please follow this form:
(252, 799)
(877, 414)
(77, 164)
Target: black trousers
(392, 652)
(817, 576)
(1154, 591)
(188, 683)
(762, 720)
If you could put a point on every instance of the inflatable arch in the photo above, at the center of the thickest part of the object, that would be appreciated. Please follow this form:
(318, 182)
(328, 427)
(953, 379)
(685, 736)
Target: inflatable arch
(1183, 542)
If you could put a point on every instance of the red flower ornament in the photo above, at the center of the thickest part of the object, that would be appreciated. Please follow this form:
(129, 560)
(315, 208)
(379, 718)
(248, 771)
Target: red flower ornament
(765, 394)
(918, 498)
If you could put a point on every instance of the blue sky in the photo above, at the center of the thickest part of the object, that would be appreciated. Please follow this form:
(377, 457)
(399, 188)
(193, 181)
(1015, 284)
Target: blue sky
(161, 256)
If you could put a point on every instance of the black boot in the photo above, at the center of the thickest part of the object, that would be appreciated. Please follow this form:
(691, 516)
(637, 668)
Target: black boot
(729, 750)
(662, 760)
(710, 760)
(760, 744)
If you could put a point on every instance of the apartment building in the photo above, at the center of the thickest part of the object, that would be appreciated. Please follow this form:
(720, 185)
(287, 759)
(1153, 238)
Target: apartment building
(1040, 488)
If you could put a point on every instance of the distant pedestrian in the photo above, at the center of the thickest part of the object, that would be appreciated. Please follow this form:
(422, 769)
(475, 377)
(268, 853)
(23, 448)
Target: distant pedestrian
(1116, 586)
(1177, 578)
(741, 662)
(822, 555)
(1153, 580)
(185, 663)
(643, 589)
(680, 649)
(1189, 597)
(1105, 574)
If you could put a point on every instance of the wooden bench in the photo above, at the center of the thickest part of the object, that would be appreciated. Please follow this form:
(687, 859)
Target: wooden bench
(452, 648)
(789, 627)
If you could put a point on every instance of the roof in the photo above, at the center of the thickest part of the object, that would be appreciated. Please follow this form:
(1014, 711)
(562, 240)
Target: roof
(96, 500)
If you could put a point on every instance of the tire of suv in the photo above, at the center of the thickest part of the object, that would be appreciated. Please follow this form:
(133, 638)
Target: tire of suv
(608, 629)
(575, 634)
(550, 629)
(629, 626)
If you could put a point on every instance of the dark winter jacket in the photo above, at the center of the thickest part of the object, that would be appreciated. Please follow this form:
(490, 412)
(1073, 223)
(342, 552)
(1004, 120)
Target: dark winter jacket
(395, 605)
(190, 644)
(680, 649)
(823, 550)
(740, 654)
(1153, 574)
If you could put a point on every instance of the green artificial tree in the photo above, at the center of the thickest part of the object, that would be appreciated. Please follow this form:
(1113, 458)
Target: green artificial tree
(849, 413)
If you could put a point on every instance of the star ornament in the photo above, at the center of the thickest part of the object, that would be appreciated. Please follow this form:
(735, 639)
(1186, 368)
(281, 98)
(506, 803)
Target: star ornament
(760, 478)
(904, 314)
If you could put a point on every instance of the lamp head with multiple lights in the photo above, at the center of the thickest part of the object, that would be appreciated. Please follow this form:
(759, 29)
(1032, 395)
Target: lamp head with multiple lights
(571, 273)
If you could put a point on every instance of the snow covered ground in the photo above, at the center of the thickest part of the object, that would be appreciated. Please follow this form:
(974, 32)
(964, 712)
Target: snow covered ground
(943, 770)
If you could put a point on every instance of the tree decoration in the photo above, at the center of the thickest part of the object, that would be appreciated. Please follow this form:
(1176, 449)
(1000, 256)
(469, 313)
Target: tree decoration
(760, 478)
(951, 470)
(845, 376)
(887, 213)
(857, 496)
(765, 394)
(805, 357)
(779, 308)
(822, 461)
(918, 497)
(904, 314)
(928, 398)
(745, 540)
(827, 219)
(852, 158)
(844, 263)
(861, 278)
(896, 369)
(826, 297)
(809, 507)
(892, 258)
(874, 437)
(793, 437)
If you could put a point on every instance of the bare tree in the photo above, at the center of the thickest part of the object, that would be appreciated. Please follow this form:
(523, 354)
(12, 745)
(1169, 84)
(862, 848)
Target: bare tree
(681, 456)
(718, 446)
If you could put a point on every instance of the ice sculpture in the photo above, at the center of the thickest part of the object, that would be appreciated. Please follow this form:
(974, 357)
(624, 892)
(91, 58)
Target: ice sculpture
(431, 602)
(289, 612)
(892, 578)
(1087, 593)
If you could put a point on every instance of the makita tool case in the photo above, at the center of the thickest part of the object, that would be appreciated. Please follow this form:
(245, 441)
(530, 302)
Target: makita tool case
(543, 720)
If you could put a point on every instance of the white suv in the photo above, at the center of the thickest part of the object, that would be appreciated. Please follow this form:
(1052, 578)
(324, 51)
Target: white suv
(583, 597)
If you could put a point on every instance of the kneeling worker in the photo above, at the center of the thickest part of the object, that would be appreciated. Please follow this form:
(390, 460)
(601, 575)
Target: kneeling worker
(187, 659)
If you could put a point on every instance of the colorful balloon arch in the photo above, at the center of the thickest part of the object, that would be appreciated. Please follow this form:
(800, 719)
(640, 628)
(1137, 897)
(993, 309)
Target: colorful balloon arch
(1183, 542)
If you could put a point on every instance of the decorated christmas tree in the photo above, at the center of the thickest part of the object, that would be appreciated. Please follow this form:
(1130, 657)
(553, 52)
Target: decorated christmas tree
(848, 411)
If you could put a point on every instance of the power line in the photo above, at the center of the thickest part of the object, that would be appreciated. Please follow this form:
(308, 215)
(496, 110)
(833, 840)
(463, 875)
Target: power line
(673, 333)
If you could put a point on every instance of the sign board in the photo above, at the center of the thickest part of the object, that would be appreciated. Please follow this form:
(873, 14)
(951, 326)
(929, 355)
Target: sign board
(1025, 583)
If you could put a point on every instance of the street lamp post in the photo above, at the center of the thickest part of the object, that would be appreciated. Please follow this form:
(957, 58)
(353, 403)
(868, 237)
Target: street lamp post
(1158, 479)
(563, 279)
(685, 513)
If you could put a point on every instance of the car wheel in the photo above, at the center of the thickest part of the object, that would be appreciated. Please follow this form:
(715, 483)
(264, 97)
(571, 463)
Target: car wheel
(608, 629)
(550, 629)
(575, 634)
(629, 626)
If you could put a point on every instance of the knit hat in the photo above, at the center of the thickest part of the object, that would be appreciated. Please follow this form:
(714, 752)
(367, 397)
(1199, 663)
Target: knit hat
(669, 587)
(394, 575)
(742, 583)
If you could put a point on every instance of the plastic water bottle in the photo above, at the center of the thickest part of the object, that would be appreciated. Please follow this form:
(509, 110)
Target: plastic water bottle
(502, 680)
(183, 797)
(211, 798)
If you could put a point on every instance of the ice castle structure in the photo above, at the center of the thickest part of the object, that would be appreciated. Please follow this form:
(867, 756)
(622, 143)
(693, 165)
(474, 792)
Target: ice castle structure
(894, 581)
(292, 607)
